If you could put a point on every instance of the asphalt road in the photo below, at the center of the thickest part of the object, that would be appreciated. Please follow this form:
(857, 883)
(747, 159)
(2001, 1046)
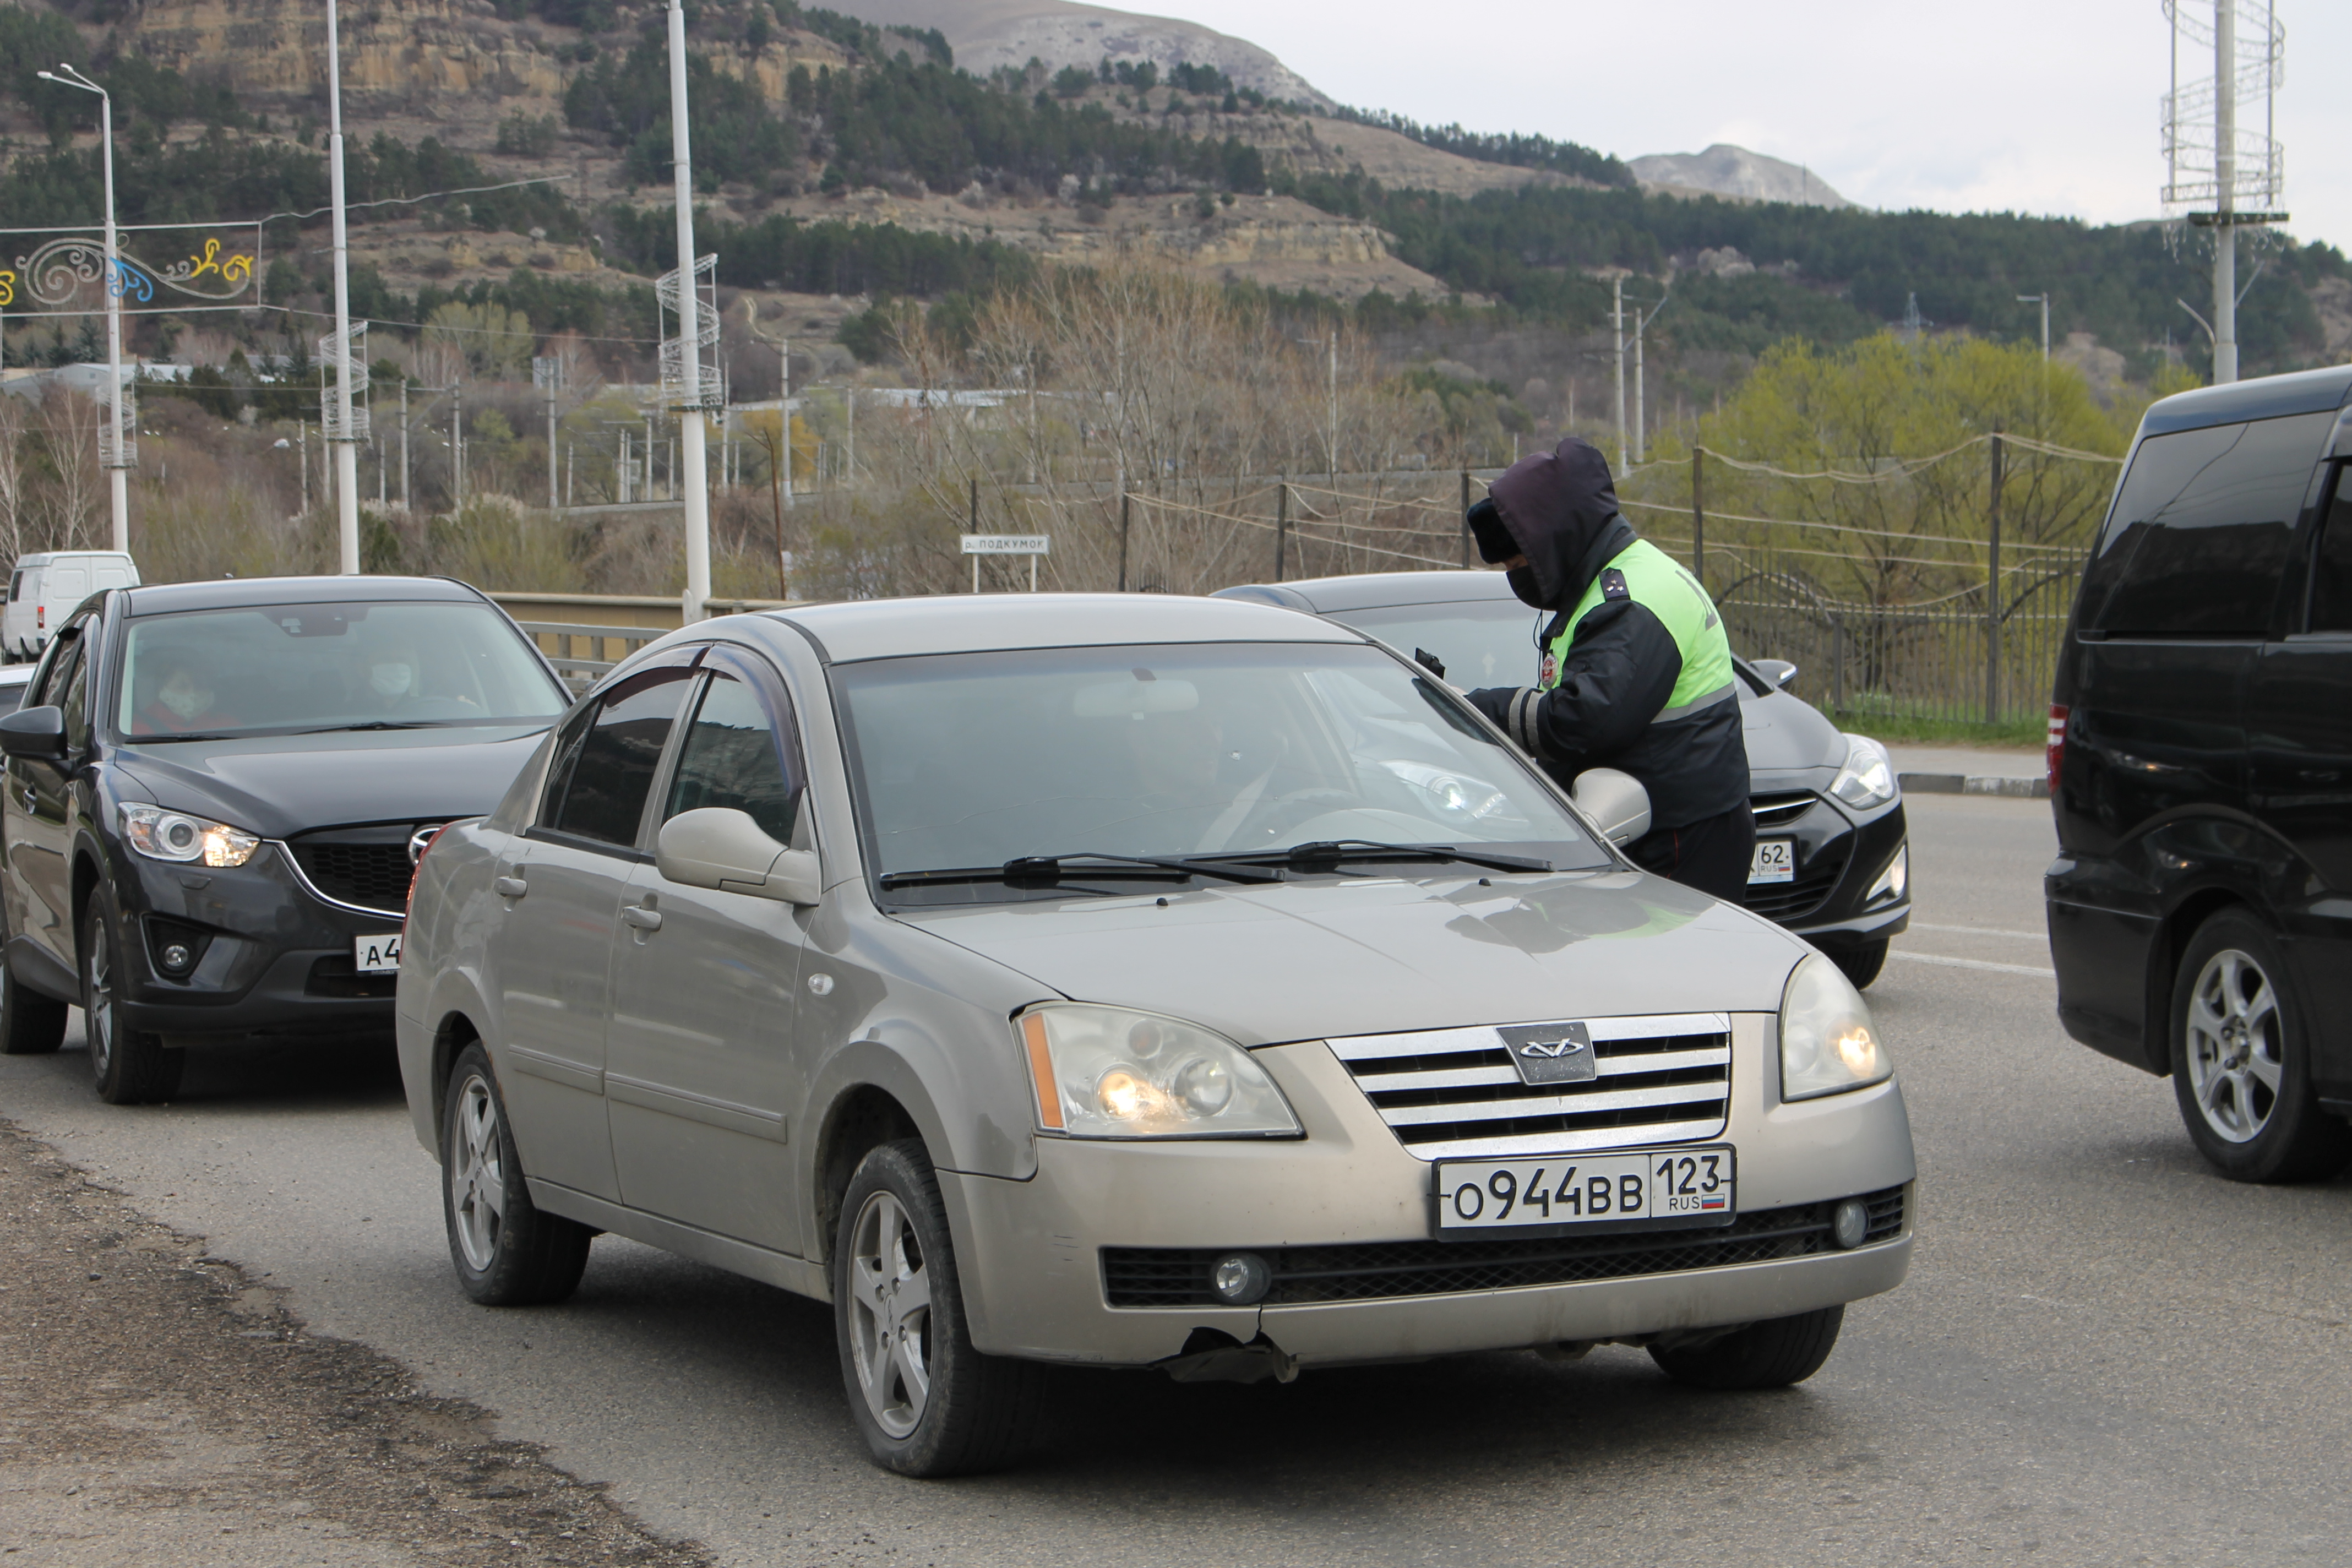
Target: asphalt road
(2103, 1353)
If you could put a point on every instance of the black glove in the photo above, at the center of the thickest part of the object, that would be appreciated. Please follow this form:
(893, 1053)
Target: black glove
(1513, 709)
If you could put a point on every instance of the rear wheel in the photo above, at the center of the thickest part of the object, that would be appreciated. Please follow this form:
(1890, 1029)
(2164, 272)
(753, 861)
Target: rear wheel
(130, 1066)
(1861, 963)
(2241, 1059)
(507, 1252)
(1770, 1355)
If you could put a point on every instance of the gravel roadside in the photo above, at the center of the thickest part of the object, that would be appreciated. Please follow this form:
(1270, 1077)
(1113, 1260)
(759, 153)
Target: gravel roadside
(154, 1398)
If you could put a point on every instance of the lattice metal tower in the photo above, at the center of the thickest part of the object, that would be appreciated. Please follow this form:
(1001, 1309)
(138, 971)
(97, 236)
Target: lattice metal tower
(2220, 146)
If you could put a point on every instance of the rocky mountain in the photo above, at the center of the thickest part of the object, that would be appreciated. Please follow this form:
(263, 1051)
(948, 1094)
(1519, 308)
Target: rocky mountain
(1724, 170)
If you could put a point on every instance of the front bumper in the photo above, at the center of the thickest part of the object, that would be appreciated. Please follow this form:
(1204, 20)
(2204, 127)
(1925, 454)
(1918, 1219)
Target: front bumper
(274, 957)
(1842, 859)
(1031, 1252)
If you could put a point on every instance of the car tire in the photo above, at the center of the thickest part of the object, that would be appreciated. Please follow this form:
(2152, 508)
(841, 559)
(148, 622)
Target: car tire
(927, 1402)
(31, 1025)
(508, 1251)
(2241, 1059)
(1770, 1355)
(1861, 963)
(130, 1067)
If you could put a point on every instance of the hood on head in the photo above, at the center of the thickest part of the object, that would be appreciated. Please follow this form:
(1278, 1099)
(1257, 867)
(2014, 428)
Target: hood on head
(1560, 507)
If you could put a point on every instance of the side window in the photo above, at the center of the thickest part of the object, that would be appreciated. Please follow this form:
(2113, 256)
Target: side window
(733, 757)
(15, 585)
(76, 701)
(50, 681)
(2201, 527)
(2331, 570)
(604, 768)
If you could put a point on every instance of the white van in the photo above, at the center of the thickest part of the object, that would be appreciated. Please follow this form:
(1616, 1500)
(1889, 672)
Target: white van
(45, 588)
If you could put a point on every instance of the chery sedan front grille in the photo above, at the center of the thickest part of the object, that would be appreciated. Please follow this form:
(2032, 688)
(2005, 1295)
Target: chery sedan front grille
(1453, 1093)
(1180, 1276)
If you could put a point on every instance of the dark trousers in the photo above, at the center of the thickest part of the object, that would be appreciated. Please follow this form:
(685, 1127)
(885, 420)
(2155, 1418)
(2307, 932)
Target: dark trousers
(1713, 854)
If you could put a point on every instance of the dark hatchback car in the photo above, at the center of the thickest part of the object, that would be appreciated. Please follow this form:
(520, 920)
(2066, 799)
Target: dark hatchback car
(1832, 857)
(2200, 771)
(216, 793)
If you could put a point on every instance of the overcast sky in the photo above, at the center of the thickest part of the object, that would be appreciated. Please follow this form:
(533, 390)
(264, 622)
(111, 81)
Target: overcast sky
(2002, 105)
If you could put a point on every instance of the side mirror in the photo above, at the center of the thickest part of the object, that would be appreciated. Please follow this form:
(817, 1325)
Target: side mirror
(1778, 671)
(1616, 803)
(719, 847)
(34, 732)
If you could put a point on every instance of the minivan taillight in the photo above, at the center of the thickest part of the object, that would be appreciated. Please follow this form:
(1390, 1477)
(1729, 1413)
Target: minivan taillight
(2057, 750)
(41, 611)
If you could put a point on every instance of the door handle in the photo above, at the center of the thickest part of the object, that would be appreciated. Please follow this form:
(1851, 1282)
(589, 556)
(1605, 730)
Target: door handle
(642, 919)
(510, 887)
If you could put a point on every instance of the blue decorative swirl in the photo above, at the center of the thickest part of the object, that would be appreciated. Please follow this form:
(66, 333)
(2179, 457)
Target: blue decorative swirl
(129, 280)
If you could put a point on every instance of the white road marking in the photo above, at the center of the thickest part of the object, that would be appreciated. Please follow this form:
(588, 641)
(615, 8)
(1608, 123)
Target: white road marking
(1983, 931)
(1972, 963)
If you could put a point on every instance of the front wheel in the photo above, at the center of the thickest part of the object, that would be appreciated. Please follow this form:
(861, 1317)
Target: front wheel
(508, 1251)
(1770, 1355)
(928, 1403)
(130, 1066)
(2241, 1059)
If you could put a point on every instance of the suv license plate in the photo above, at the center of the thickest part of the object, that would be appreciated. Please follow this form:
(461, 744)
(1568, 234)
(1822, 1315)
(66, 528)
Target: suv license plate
(1635, 1189)
(1776, 861)
(376, 954)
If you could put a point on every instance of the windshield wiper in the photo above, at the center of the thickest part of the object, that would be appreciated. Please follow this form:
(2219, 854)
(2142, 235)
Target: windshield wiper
(1047, 871)
(191, 735)
(1340, 851)
(377, 724)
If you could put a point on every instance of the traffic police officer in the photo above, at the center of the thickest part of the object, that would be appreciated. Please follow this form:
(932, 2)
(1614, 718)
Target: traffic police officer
(1636, 673)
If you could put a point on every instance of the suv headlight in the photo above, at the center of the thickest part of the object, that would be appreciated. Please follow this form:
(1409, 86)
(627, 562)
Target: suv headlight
(1107, 1072)
(1868, 777)
(163, 834)
(1827, 1043)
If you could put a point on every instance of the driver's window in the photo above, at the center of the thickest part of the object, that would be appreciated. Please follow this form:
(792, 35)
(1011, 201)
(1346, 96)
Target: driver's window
(76, 704)
(731, 757)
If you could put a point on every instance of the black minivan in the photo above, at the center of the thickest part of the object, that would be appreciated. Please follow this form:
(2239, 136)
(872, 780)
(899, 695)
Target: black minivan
(2200, 770)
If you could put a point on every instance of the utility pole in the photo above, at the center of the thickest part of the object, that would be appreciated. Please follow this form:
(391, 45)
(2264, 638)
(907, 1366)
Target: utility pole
(2041, 300)
(343, 435)
(1122, 542)
(1466, 519)
(1992, 588)
(784, 408)
(302, 456)
(403, 443)
(690, 359)
(1335, 411)
(1698, 514)
(2225, 179)
(119, 456)
(1617, 321)
(547, 371)
(1281, 522)
(1641, 404)
(458, 447)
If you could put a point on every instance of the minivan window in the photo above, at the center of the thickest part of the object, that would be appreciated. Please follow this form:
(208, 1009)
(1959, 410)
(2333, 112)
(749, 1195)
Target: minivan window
(598, 787)
(15, 585)
(2201, 527)
(2331, 568)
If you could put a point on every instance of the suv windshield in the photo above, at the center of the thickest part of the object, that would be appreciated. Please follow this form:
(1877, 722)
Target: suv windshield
(1176, 751)
(276, 669)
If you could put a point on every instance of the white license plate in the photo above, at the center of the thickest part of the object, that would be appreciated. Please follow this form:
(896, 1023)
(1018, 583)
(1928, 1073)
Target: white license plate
(1776, 861)
(1638, 1189)
(376, 954)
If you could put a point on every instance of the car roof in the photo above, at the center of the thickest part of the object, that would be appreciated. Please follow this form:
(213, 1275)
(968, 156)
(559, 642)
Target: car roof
(2265, 397)
(42, 557)
(967, 623)
(1375, 590)
(237, 593)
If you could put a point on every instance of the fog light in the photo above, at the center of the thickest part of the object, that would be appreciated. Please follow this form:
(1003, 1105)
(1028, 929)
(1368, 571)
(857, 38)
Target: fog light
(1850, 1224)
(176, 957)
(1892, 882)
(1240, 1279)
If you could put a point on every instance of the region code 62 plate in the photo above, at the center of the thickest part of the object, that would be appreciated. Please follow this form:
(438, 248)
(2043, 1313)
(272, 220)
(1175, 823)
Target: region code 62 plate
(1776, 861)
(1633, 1189)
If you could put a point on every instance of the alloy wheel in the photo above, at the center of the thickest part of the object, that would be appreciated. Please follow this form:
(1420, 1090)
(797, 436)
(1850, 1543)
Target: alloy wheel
(97, 1021)
(2235, 1045)
(477, 1183)
(891, 1315)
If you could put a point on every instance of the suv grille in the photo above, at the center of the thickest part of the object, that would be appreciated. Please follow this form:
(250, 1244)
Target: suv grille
(1814, 883)
(1179, 1277)
(1450, 1093)
(373, 875)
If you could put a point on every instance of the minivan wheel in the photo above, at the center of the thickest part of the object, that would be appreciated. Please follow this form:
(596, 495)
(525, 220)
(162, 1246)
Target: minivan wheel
(130, 1066)
(508, 1251)
(928, 1403)
(1770, 1355)
(1861, 963)
(2241, 1059)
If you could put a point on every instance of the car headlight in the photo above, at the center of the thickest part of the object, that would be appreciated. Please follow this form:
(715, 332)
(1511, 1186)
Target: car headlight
(1107, 1072)
(1456, 794)
(1868, 777)
(1827, 1043)
(163, 834)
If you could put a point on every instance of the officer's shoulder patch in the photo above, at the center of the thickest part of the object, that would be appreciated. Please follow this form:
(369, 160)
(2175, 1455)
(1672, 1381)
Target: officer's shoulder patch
(1613, 585)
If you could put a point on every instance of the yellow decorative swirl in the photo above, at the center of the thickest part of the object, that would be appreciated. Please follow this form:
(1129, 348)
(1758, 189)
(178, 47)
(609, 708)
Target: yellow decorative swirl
(7, 287)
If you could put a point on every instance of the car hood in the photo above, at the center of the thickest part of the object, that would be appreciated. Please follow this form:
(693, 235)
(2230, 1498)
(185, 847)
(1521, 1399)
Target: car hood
(281, 785)
(1787, 736)
(1318, 958)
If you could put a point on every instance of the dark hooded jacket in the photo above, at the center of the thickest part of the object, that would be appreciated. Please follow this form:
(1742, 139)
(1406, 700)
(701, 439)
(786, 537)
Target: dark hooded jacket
(1559, 508)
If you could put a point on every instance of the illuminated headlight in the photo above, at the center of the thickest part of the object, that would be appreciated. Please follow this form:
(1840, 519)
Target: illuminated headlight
(1827, 1043)
(1454, 795)
(1894, 880)
(163, 834)
(1104, 1072)
(1868, 777)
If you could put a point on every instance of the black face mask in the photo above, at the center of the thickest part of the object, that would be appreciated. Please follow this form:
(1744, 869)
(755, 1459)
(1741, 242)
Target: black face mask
(1522, 580)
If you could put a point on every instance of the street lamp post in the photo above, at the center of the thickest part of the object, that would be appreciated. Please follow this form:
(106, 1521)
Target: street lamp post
(119, 456)
(342, 434)
(690, 389)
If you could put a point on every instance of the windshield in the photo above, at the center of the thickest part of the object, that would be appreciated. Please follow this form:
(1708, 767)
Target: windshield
(1177, 750)
(270, 669)
(1481, 642)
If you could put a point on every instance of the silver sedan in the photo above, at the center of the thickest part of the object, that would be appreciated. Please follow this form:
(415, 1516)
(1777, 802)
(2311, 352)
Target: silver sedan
(1130, 982)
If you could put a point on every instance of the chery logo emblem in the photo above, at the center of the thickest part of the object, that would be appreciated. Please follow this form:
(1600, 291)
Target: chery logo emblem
(1550, 1053)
